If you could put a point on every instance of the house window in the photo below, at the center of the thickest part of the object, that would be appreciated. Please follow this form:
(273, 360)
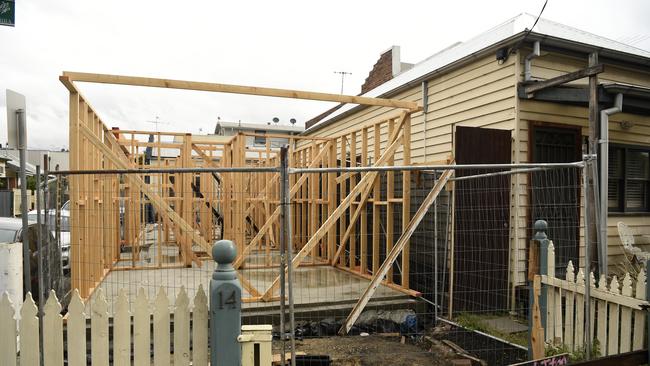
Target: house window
(259, 140)
(629, 179)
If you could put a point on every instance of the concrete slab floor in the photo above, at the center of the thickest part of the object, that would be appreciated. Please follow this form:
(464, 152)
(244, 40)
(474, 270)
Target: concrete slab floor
(313, 286)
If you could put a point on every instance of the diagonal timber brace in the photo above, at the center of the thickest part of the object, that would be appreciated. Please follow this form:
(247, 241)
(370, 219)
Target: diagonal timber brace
(276, 213)
(364, 197)
(391, 257)
(338, 212)
(163, 208)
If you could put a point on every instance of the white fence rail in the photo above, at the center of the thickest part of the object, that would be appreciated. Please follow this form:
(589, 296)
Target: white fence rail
(616, 317)
(190, 336)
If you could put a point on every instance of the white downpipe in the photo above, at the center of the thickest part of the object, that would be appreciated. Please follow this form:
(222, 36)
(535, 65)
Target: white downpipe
(604, 183)
(528, 61)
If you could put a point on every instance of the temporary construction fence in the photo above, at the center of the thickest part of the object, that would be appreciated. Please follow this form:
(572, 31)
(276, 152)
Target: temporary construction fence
(466, 228)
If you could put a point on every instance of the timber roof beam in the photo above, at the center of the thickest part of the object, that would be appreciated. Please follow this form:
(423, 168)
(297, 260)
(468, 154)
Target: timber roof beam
(68, 77)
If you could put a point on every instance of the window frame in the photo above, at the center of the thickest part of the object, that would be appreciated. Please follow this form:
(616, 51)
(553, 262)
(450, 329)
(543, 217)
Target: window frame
(622, 208)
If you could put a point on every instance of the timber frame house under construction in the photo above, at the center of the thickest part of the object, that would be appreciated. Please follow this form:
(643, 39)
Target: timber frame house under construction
(245, 206)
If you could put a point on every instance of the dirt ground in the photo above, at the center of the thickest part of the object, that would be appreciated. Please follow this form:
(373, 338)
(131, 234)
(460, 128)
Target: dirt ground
(374, 350)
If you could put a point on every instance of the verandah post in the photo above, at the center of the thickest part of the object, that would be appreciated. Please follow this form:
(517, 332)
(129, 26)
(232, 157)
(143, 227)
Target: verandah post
(225, 307)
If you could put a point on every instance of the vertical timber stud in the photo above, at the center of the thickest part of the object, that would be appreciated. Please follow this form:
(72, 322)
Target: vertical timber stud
(390, 194)
(343, 190)
(593, 146)
(363, 265)
(331, 201)
(225, 307)
(406, 199)
(376, 197)
(75, 249)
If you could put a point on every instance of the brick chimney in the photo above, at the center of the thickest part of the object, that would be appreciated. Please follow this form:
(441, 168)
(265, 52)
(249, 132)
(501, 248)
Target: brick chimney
(386, 68)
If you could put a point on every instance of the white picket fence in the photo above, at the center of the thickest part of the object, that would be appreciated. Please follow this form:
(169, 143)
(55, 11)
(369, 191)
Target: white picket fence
(616, 316)
(26, 339)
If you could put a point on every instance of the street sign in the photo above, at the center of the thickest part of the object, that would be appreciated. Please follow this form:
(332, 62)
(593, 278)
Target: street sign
(8, 12)
(15, 102)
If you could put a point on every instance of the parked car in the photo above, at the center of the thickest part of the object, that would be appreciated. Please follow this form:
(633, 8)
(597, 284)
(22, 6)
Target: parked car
(64, 231)
(11, 231)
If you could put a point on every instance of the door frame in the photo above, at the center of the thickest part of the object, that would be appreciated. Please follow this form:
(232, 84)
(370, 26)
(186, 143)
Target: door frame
(533, 126)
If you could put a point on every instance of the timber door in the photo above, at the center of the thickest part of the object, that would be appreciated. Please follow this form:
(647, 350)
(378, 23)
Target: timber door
(482, 215)
(555, 194)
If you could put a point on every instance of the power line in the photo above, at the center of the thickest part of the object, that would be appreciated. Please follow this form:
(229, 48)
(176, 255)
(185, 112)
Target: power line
(516, 47)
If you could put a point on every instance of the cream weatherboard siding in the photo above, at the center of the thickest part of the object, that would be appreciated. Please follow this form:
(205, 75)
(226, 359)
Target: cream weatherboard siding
(551, 65)
(483, 94)
(480, 94)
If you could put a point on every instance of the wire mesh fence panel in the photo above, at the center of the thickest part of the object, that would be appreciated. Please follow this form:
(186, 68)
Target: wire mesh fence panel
(424, 261)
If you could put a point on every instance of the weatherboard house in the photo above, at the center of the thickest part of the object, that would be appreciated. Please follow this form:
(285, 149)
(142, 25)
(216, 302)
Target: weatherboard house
(523, 95)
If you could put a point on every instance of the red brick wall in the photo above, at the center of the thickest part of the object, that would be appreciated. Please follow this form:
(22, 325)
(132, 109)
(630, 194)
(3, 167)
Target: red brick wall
(380, 73)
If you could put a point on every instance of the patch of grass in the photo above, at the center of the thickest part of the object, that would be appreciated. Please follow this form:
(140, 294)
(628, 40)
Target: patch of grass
(475, 322)
(579, 354)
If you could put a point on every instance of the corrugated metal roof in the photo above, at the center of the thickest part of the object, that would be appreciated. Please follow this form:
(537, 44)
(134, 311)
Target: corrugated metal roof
(508, 29)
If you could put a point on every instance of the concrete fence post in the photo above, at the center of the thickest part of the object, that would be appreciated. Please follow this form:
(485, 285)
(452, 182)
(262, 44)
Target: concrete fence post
(225, 307)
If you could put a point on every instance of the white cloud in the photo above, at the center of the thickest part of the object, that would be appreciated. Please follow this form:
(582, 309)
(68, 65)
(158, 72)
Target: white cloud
(286, 44)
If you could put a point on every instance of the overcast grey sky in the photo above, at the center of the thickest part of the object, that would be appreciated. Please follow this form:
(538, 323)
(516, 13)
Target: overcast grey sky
(284, 44)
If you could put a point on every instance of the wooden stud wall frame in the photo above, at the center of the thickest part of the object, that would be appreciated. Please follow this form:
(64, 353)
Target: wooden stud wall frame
(328, 209)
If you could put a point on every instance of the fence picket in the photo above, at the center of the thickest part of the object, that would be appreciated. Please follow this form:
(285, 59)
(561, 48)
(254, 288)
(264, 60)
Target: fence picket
(141, 331)
(52, 332)
(29, 333)
(639, 315)
(626, 316)
(161, 328)
(200, 329)
(551, 309)
(601, 335)
(76, 326)
(121, 331)
(99, 329)
(580, 312)
(7, 321)
(182, 329)
(612, 334)
(569, 310)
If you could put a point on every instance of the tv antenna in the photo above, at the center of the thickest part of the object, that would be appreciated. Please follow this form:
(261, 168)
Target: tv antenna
(342, 73)
(157, 122)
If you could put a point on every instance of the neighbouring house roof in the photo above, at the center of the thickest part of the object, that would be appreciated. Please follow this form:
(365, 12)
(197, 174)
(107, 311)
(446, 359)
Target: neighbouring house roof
(550, 32)
(13, 163)
(268, 127)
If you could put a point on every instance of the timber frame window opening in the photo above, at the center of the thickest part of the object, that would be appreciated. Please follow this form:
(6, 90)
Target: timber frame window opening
(629, 179)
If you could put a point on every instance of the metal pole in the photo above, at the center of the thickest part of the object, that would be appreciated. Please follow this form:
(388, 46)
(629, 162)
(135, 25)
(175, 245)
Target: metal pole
(22, 147)
(39, 249)
(435, 253)
(289, 255)
(39, 241)
(283, 259)
(46, 228)
(585, 183)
